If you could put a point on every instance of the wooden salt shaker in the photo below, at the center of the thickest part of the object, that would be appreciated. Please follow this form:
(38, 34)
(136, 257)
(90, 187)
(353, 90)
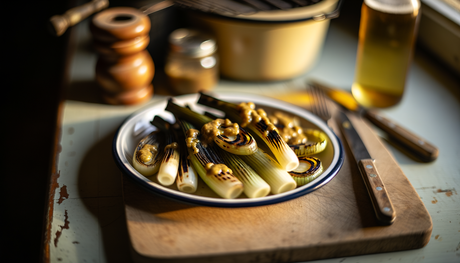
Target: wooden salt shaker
(124, 69)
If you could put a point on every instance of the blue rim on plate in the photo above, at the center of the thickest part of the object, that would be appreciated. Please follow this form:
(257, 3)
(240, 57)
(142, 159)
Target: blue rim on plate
(137, 126)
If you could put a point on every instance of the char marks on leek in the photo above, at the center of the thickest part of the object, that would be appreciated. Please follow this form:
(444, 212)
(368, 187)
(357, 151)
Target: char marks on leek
(304, 142)
(308, 170)
(187, 180)
(167, 172)
(308, 149)
(228, 136)
(259, 125)
(210, 166)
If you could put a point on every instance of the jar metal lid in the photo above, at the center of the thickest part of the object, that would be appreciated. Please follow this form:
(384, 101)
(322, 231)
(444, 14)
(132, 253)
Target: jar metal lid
(191, 43)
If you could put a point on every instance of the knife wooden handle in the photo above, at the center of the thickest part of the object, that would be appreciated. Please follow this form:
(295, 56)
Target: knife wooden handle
(423, 149)
(383, 207)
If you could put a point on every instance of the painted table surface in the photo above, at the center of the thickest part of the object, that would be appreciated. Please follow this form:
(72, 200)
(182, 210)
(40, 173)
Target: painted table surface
(88, 216)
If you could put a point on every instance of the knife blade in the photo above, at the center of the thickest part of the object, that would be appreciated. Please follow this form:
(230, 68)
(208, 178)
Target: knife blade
(423, 149)
(378, 194)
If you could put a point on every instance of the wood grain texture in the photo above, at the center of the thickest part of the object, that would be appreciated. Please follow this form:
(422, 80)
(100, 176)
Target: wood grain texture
(337, 220)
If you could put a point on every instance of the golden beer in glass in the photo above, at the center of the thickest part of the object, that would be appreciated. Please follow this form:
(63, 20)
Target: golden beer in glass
(387, 33)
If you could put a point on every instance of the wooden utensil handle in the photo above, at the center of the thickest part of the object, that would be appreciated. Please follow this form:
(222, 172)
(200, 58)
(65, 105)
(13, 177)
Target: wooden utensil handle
(58, 24)
(423, 149)
(383, 207)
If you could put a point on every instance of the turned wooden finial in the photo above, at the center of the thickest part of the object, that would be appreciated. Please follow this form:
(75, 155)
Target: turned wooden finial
(124, 69)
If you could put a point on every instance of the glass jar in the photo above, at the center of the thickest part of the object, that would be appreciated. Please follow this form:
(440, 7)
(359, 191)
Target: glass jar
(387, 34)
(192, 63)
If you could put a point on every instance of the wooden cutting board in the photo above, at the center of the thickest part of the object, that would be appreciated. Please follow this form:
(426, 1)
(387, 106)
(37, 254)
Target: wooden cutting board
(337, 220)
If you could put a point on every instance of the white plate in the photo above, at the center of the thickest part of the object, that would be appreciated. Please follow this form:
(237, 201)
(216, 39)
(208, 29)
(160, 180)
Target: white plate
(138, 126)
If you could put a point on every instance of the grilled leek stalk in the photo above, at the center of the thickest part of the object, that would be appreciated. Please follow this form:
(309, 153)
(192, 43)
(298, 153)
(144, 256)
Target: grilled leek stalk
(279, 180)
(256, 120)
(169, 166)
(209, 165)
(254, 185)
(308, 170)
(147, 155)
(308, 149)
(228, 136)
(187, 180)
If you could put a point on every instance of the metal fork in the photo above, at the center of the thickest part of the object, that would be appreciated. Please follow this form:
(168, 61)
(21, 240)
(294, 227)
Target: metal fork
(319, 105)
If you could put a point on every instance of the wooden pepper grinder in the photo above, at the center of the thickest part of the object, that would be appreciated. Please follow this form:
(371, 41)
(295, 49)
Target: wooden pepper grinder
(124, 69)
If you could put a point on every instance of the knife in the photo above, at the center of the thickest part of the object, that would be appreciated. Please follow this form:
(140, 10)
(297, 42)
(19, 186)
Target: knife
(424, 150)
(381, 202)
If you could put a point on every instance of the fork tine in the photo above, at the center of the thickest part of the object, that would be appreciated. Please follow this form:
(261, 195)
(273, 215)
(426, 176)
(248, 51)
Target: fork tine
(319, 107)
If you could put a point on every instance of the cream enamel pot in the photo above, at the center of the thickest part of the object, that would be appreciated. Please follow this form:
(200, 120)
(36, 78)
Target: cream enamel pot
(269, 45)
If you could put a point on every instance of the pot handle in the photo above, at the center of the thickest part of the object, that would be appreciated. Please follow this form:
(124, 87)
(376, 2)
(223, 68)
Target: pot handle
(333, 14)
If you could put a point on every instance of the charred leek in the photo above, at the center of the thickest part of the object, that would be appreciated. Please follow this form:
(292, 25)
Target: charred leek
(147, 155)
(167, 172)
(304, 142)
(307, 149)
(256, 120)
(254, 185)
(308, 170)
(209, 165)
(228, 136)
(187, 180)
(279, 180)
